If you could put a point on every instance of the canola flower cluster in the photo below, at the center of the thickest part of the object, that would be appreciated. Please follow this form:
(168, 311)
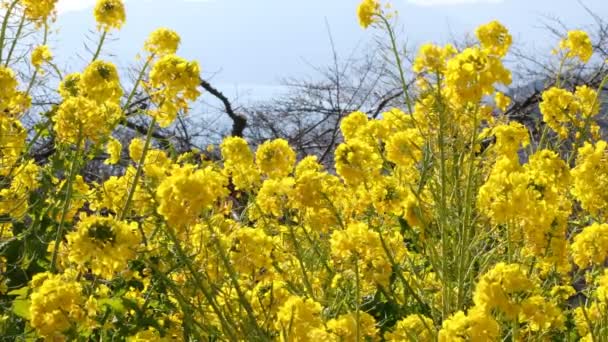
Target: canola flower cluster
(445, 221)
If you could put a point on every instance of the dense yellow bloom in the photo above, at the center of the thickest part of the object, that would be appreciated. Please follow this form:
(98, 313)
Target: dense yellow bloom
(577, 44)
(275, 158)
(590, 247)
(432, 58)
(69, 86)
(405, 148)
(57, 304)
(103, 245)
(563, 110)
(357, 162)
(173, 82)
(162, 41)
(472, 74)
(12, 102)
(238, 163)
(245, 252)
(359, 246)
(14, 199)
(39, 11)
(584, 317)
(81, 118)
(502, 101)
(297, 318)
(40, 55)
(274, 196)
(187, 192)
(494, 37)
(99, 82)
(114, 149)
(366, 11)
(413, 327)
(510, 137)
(590, 177)
(501, 289)
(540, 315)
(344, 328)
(475, 326)
(352, 124)
(12, 143)
(110, 14)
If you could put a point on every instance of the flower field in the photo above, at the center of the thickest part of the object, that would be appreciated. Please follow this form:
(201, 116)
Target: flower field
(440, 220)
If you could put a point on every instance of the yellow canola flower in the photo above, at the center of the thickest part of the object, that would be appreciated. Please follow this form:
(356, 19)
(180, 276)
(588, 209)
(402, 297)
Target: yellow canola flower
(344, 327)
(100, 83)
(187, 192)
(110, 14)
(103, 244)
(297, 318)
(57, 304)
(366, 11)
(432, 58)
(69, 86)
(413, 326)
(39, 11)
(275, 158)
(494, 37)
(162, 41)
(79, 118)
(239, 163)
(12, 101)
(502, 101)
(114, 149)
(590, 177)
(501, 289)
(40, 55)
(473, 73)
(577, 45)
(590, 247)
(474, 326)
(172, 84)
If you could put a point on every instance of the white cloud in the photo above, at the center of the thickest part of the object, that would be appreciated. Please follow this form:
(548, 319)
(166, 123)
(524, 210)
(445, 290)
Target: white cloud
(64, 6)
(451, 2)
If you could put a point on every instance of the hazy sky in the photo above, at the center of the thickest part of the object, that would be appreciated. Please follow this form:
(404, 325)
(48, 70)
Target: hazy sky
(255, 43)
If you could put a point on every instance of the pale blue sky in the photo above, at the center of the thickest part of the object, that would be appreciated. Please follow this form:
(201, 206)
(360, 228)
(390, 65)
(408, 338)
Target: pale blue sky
(255, 43)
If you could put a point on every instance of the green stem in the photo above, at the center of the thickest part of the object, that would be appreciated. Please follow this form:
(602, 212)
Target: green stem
(139, 171)
(5, 25)
(357, 298)
(404, 86)
(14, 43)
(139, 78)
(296, 246)
(101, 41)
(202, 287)
(67, 201)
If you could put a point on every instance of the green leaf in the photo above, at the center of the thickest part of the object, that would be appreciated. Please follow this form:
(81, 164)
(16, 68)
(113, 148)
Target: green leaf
(20, 293)
(21, 308)
(114, 303)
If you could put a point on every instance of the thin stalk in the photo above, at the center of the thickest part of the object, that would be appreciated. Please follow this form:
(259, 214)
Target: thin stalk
(139, 78)
(296, 245)
(101, 41)
(67, 201)
(14, 43)
(200, 283)
(235, 282)
(139, 171)
(7, 16)
(357, 298)
(391, 33)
